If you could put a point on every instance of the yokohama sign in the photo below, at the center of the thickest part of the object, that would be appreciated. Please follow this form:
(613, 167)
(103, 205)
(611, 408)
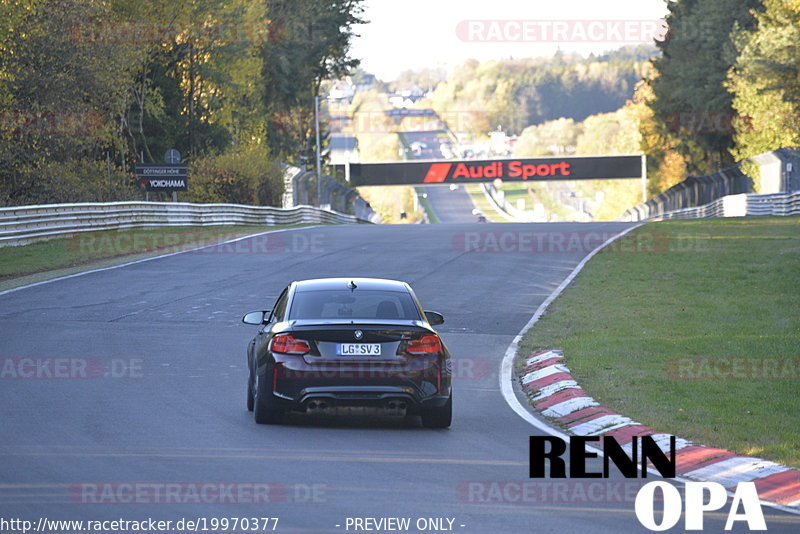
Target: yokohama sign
(162, 176)
(513, 170)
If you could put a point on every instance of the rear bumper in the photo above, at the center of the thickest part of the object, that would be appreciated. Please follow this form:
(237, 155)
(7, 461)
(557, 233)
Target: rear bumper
(355, 402)
(306, 388)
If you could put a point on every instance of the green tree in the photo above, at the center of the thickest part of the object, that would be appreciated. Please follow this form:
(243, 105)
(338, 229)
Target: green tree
(765, 81)
(308, 42)
(80, 79)
(241, 175)
(424, 78)
(549, 138)
(196, 87)
(690, 76)
(517, 93)
(58, 95)
(610, 133)
(666, 166)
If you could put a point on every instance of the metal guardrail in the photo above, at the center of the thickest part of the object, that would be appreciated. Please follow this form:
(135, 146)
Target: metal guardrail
(300, 188)
(774, 204)
(778, 171)
(501, 205)
(25, 224)
(743, 205)
(694, 191)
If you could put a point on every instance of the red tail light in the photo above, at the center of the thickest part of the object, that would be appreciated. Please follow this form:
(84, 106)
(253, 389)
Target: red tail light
(287, 344)
(424, 345)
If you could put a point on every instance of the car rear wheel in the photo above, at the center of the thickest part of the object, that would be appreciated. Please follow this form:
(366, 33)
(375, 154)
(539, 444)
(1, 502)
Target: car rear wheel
(250, 400)
(440, 417)
(265, 410)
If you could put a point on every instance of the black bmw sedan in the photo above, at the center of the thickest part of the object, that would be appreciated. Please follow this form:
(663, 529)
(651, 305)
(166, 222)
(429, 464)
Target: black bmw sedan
(341, 345)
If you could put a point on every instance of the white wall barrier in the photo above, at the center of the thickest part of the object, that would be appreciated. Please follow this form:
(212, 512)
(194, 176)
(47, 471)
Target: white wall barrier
(24, 224)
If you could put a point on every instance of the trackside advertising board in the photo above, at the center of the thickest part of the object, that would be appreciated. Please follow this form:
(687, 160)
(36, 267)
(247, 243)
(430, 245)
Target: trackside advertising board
(511, 170)
(162, 176)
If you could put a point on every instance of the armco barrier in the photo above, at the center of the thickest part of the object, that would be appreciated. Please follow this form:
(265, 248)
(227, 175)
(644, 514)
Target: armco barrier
(779, 173)
(744, 205)
(300, 188)
(502, 206)
(694, 191)
(774, 204)
(25, 224)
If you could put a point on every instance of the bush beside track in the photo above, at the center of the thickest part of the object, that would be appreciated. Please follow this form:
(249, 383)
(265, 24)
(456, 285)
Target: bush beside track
(698, 335)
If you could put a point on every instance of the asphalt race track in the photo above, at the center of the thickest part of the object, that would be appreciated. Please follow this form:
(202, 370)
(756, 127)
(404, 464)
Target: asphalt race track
(172, 409)
(451, 206)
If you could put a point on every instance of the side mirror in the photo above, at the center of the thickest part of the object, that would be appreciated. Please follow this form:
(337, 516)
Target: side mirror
(255, 317)
(434, 318)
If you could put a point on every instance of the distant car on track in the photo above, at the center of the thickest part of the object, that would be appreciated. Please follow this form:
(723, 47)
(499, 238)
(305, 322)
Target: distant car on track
(336, 345)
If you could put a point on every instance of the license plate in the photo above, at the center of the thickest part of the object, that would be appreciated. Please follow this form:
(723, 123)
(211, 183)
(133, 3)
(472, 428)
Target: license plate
(358, 349)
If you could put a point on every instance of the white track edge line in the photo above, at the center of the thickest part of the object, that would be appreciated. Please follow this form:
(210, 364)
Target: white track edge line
(110, 267)
(507, 365)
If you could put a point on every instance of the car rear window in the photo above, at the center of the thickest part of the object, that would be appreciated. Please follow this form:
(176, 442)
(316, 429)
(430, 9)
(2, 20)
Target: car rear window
(358, 304)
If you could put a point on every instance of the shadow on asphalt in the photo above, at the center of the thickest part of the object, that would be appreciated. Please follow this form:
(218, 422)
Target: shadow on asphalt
(360, 422)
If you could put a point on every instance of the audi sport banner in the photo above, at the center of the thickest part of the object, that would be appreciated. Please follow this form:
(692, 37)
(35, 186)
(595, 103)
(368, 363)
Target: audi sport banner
(512, 170)
(162, 176)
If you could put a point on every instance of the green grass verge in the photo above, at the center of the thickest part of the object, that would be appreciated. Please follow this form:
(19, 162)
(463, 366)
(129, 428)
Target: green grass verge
(515, 191)
(698, 334)
(481, 202)
(89, 250)
(426, 205)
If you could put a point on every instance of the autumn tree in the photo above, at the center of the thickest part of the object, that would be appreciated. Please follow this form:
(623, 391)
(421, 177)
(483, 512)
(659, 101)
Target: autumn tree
(689, 93)
(765, 81)
(308, 42)
(58, 93)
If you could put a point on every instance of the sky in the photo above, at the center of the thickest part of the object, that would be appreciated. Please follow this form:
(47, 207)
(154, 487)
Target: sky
(411, 34)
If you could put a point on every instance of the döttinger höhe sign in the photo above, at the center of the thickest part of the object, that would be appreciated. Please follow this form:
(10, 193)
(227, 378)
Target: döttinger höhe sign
(162, 176)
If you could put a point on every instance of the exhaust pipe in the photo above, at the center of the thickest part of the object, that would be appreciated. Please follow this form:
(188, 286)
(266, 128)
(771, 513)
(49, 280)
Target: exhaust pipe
(395, 407)
(390, 407)
(316, 406)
